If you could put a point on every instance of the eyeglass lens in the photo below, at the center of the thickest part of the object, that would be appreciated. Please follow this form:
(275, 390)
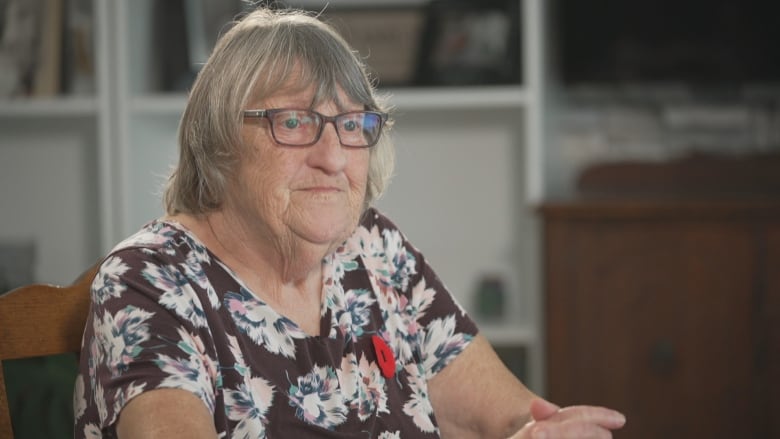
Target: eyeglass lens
(301, 127)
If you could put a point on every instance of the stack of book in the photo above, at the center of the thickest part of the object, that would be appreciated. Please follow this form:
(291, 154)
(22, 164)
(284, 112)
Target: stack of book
(46, 48)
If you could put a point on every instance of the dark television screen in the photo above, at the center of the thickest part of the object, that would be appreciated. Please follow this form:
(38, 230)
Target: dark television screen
(717, 43)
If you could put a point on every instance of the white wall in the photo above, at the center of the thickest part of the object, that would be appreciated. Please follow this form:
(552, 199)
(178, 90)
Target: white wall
(456, 193)
(49, 195)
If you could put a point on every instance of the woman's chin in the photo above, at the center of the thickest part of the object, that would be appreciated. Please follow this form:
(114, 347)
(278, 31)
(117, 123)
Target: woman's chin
(324, 221)
(323, 229)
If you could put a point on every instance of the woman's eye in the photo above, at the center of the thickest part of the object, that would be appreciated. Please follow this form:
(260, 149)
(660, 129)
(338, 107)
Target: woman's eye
(291, 123)
(350, 125)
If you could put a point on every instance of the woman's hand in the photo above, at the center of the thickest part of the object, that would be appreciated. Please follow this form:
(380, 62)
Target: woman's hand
(576, 422)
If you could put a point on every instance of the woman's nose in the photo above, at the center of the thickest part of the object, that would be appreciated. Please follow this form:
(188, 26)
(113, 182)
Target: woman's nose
(328, 154)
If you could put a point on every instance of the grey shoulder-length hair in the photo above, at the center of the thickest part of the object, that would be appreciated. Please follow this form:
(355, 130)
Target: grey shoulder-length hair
(254, 58)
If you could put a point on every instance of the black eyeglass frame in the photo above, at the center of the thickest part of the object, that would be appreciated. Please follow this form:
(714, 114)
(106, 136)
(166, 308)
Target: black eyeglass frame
(267, 113)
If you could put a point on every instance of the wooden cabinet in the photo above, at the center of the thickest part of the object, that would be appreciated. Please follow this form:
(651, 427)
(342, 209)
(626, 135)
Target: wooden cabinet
(668, 311)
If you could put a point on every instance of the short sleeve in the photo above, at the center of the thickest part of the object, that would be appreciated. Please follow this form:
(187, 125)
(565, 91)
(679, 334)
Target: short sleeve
(146, 330)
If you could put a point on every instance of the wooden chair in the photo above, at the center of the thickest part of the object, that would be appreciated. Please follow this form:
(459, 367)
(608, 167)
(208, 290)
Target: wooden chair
(38, 320)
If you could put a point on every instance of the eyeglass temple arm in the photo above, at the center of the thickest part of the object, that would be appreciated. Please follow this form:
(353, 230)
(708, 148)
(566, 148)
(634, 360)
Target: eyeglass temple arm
(255, 113)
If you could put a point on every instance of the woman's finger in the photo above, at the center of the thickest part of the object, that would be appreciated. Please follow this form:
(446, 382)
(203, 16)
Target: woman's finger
(542, 409)
(581, 422)
(568, 430)
(602, 416)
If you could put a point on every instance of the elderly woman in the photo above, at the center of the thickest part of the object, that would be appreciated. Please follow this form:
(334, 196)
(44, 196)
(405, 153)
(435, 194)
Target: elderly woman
(272, 300)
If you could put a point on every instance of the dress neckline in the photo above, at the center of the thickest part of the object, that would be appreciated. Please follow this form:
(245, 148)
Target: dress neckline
(327, 323)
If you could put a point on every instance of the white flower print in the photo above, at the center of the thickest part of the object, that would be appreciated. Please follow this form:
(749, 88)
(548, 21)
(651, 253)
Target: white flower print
(402, 261)
(335, 296)
(317, 398)
(193, 269)
(336, 265)
(402, 323)
(238, 354)
(99, 397)
(349, 375)
(418, 407)
(441, 344)
(364, 243)
(193, 345)
(79, 398)
(355, 313)
(178, 295)
(389, 435)
(197, 372)
(185, 374)
(363, 385)
(333, 271)
(124, 395)
(119, 337)
(389, 264)
(249, 406)
(151, 235)
(107, 284)
(92, 431)
(262, 324)
(198, 254)
(386, 258)
(95, 358)
(377, 267)
(422, 299)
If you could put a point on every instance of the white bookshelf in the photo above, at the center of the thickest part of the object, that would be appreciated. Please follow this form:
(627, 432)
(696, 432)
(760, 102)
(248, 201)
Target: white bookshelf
(55, 162)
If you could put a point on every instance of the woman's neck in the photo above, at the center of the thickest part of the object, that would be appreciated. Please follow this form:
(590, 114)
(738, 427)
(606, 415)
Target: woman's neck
(288, 278)
(282, 262)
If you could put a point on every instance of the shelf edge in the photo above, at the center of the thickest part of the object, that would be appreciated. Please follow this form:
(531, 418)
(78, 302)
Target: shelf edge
(58, 107)
(509, 334)
(484, 97)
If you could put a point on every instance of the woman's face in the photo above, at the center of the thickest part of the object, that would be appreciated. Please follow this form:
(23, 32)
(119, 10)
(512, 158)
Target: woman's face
(315, 193)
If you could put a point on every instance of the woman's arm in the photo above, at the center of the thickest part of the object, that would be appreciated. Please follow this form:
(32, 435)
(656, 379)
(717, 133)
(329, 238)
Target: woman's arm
(476, 396)
(168, 414)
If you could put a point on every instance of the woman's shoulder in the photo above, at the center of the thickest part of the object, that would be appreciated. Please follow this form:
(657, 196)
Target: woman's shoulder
(157, 240)
(382, 246)
(155, 234)
(157, 261)
(374, 218)
(377, 230)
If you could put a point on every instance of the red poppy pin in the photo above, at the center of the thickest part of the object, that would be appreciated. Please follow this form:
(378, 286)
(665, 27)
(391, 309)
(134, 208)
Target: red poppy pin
(384, 356)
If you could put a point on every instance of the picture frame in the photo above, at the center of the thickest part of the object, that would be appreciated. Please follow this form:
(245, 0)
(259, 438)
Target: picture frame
(387, 38)
(471, 43)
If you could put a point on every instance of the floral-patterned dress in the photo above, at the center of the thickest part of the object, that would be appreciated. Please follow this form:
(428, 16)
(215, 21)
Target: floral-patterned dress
(167, 313)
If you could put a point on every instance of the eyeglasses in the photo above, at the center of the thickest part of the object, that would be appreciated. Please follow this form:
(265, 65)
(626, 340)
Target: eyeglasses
(355, 129)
